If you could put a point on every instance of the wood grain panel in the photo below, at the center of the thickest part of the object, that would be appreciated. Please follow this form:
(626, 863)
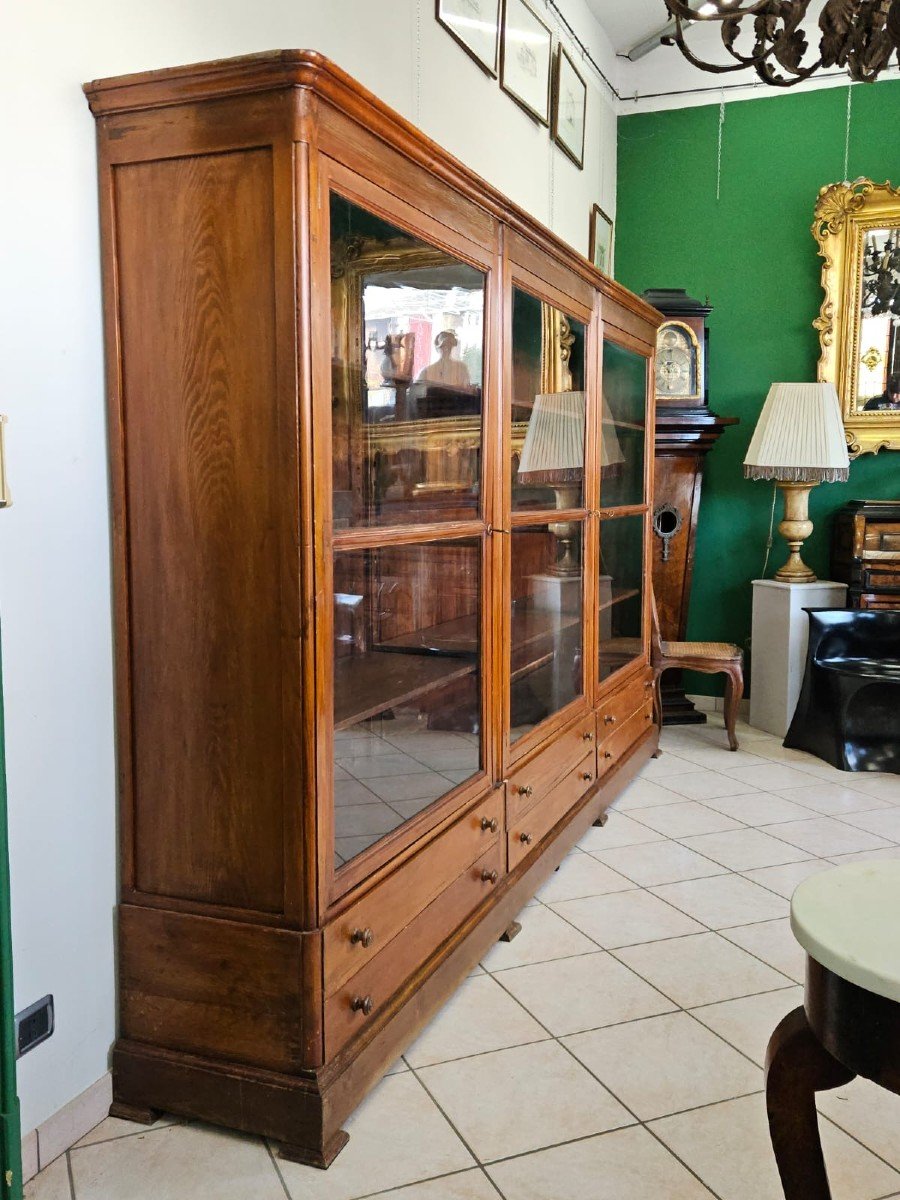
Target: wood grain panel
(215, 988)
(196, 278)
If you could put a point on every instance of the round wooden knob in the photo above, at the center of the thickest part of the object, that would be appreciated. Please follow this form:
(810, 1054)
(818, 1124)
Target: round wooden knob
(586, 776)
(526, 790)
(489, 876)
(587, 737)
(607, 753)
(648, 684)
(362, 937)
(526, 838)
(489, 824)
(609, 720)
(363, 1004)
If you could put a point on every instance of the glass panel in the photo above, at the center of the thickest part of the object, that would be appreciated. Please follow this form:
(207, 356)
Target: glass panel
(546, 631)
(407, 688)
(621, 592)
(878, 377)
(547, 406)
(622, 430)
(407, 374)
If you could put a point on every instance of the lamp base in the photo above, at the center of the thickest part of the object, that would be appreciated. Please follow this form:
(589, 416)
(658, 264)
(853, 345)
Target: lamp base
(795, 528)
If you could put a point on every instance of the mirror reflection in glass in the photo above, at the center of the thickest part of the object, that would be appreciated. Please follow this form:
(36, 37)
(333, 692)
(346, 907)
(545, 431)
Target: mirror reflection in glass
(407, 374)
(878, 379)
(623, 426)
(407, 690)
(621, 594)
(546, 626)
(548, 406)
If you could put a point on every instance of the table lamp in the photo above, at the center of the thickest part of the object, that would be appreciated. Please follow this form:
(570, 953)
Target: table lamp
(553, 454)
(799, 442)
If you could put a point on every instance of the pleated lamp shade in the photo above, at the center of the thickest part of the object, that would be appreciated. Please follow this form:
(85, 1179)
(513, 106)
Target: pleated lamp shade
(799, 437)
(612, 457)
(554, 442)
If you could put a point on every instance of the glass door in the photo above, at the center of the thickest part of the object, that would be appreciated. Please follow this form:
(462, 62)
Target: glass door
(623, 507)
(407, 547)
(549, 511)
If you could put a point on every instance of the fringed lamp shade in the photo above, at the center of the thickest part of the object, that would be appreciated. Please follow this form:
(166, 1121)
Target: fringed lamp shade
(553, 452)
(799, 442)
(612, 457)
(799, 437)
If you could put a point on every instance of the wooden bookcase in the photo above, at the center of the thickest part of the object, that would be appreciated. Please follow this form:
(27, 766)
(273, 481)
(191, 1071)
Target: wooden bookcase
(381, 458)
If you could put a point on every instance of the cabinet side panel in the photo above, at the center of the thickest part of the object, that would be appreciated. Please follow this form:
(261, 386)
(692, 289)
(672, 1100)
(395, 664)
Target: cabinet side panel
(217, 988)
(196, 280)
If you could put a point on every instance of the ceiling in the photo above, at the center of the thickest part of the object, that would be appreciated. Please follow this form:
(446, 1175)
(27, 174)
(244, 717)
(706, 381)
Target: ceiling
(627, 22)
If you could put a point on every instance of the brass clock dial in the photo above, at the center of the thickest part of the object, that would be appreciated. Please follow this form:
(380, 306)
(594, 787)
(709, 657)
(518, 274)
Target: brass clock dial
(677, 366)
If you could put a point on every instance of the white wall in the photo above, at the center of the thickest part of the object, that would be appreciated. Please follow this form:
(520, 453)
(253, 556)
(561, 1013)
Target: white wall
(54, 544)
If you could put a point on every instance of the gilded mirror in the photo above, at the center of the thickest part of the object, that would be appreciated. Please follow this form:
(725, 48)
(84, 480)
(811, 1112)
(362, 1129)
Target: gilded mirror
(857, 227)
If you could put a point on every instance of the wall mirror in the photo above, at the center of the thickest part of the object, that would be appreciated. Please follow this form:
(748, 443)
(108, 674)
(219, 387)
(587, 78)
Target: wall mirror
(857, 228)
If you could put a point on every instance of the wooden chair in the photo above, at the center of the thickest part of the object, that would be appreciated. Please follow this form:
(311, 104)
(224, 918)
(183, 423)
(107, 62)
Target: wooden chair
(849, 1022)
(711, 658)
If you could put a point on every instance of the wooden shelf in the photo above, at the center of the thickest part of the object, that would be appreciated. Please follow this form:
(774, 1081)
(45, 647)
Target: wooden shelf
(618, 596)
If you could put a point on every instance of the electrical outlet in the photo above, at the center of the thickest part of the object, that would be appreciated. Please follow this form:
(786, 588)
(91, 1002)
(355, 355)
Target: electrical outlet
(34, 1025)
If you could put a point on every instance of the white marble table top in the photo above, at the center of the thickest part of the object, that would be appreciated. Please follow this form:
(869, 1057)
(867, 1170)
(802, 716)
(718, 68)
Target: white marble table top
(848, 920)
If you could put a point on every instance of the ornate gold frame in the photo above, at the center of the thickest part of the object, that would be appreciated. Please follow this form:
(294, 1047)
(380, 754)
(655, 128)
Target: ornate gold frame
(844, 213)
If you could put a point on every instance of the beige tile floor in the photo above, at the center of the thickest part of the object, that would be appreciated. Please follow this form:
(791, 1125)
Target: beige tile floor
(614, 1050)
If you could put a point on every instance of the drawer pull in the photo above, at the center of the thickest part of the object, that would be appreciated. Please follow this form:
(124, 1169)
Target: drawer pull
(609, 719)
(362, 937)
(587, 737)
(363, 1004)
(586, 776)
(489, 876)
(525, 790)
(607, 753)
(526, 839)
(648, 684)
(489, 824)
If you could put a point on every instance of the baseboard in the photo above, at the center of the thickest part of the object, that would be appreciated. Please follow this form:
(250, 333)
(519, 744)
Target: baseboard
(66, 1127)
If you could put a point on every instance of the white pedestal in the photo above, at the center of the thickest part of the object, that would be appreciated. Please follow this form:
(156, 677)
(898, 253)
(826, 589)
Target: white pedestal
(558, 593)
(778, 647)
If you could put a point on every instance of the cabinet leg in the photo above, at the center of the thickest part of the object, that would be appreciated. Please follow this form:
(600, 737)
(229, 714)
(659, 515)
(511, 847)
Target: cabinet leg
(798, 1066)
(657, 753)
(316, 1158)
(601, 820)
(512, 930)
(133, 1112)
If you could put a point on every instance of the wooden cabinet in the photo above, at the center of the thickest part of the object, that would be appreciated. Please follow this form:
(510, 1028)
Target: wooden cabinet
(381, 456)
(865, 552)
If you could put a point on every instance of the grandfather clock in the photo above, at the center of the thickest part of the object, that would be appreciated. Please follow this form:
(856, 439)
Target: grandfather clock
(686, 431)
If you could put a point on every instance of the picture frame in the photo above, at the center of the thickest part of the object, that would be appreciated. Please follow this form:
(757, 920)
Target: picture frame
(857, 230)
(569, 107)
(475, 26)
(526, 56)
(600, 240)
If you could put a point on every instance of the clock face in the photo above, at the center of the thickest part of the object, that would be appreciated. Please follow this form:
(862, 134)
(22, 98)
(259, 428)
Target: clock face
(677, 366)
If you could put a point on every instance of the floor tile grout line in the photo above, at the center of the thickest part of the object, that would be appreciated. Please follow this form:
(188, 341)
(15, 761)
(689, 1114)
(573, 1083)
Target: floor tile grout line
(846, 1132)
(274, 1162)
(434, 1100)
(70, 1173)
(141, 1131)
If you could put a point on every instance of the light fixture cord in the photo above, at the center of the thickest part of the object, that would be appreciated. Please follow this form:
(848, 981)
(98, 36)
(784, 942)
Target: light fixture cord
(719, 153)
(847, 135)
(771, 530)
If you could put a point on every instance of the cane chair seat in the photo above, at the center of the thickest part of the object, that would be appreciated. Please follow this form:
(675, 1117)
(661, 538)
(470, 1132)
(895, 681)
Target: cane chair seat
(715, 650)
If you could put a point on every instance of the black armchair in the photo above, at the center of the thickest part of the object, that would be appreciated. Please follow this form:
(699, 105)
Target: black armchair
(849, 708)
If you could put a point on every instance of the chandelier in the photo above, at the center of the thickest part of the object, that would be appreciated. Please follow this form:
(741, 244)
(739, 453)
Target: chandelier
(881, 275)
(859, 35)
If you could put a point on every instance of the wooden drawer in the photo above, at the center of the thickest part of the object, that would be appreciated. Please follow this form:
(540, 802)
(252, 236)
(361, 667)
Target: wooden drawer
(528, 785)
(362, 996)
(527, 831)
(614, 711)
(361, 932)
(617, 745)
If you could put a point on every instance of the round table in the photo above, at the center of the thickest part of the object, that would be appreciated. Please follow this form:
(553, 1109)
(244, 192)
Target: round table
(848, 922)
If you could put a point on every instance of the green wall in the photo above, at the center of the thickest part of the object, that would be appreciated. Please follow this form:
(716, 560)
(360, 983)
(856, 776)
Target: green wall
(752, 253)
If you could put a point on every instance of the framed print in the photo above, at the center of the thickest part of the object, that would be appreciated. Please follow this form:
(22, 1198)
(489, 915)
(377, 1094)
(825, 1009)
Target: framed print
(475, 24)
(569, 108)
(526, 46)
(601, 240)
